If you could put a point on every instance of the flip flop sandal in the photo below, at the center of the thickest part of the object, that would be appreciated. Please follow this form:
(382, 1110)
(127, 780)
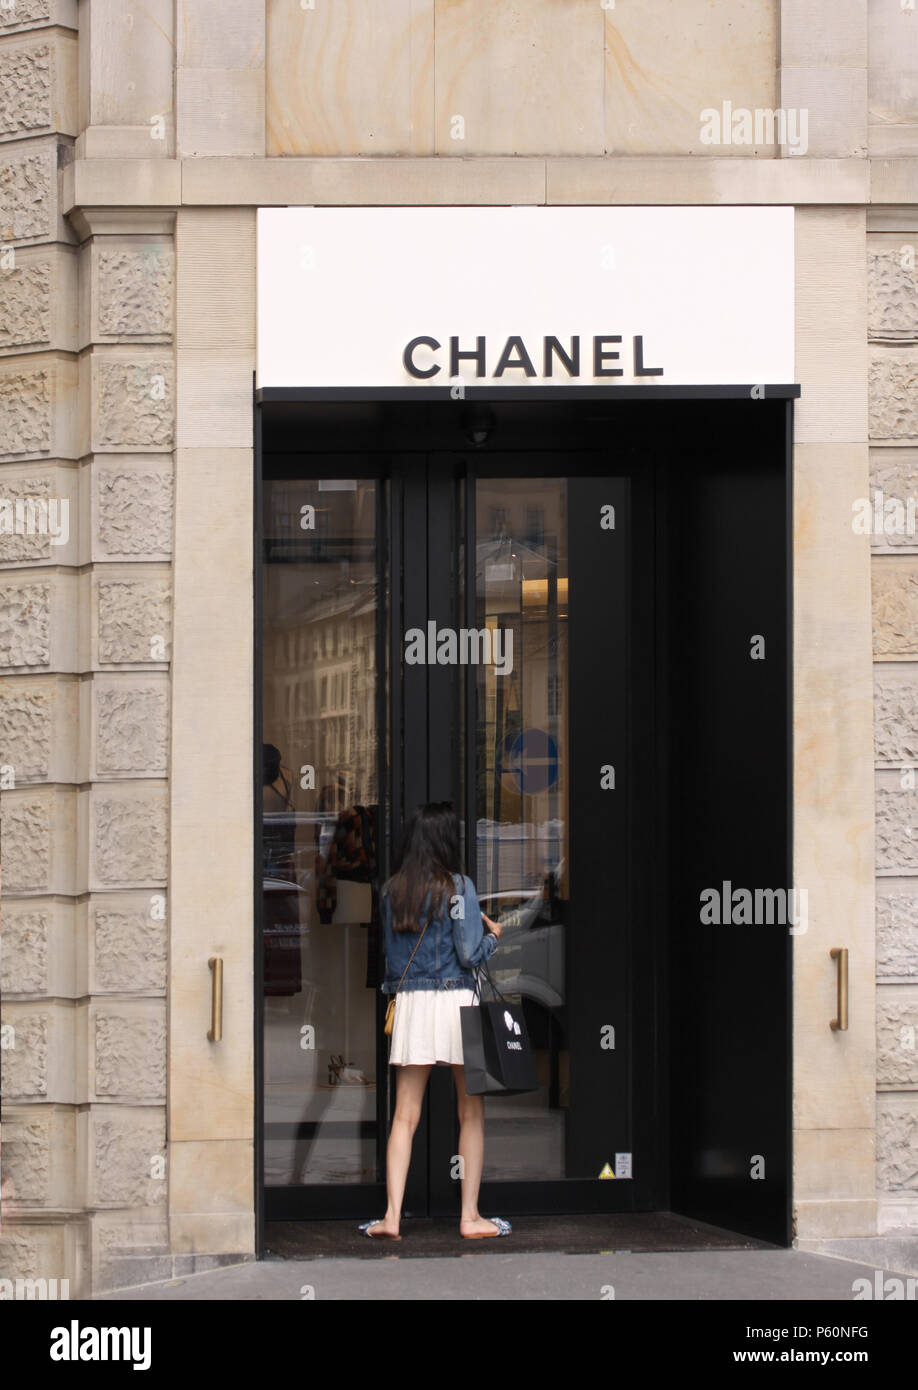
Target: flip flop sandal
(384, 1235)
(503, 1229)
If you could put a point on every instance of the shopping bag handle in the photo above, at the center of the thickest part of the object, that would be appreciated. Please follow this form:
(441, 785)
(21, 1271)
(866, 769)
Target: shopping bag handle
(487, 973)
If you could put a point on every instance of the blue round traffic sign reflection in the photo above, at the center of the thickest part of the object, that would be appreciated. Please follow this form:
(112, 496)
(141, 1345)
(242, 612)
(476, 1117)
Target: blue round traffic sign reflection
(530, 761)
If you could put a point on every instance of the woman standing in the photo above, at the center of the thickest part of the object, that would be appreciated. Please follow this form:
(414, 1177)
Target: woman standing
(435, 939)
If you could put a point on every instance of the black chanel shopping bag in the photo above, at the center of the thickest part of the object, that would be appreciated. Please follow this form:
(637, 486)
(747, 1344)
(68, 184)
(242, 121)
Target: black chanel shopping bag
(496, 1053)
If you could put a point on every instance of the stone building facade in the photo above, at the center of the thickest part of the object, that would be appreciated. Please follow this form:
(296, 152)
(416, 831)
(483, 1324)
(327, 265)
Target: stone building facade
(136, 143)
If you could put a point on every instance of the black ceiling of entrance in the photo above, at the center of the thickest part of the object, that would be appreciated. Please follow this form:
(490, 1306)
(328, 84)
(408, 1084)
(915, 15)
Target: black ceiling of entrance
(576, 419)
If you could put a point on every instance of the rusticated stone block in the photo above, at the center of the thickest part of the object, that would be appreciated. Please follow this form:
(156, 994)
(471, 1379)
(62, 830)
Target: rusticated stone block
(892, 296)
(129, 1045)
(129, 951)
(27, 184)
(38, 1148)
(25, 11)
(894, 584)
(25, 624)
(897, 935)
(25, 305)
(25, 731)
(25, 202)
(27, 1158)
(37, 395)
(132, 726)
(129, 839)
(897, 1143)
(126, 1148)
(893, 396)
(20, 1257)
(25, 89)
(25, 412)
(897, 828)
(32, 494)
(134, 512)
(136, 291)
(135, 621)
(38, 303)
(895, 708)
(134, 405)
(33, 1248)
(894, 479)
(25, 827)
(897, 1036)
(38, 515)
(25, 1064)
(24, 948)
(38, 728)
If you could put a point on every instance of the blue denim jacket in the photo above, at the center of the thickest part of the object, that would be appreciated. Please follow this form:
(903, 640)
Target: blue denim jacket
(451, 950)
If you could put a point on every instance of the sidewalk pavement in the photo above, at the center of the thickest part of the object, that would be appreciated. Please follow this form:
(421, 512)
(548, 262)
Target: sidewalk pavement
(710, 1275)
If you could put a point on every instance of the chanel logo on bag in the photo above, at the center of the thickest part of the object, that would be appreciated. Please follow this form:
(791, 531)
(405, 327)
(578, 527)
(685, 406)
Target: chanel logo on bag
(512, 1027)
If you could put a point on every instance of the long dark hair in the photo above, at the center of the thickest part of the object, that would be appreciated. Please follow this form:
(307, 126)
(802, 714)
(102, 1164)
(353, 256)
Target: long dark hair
(427, 859)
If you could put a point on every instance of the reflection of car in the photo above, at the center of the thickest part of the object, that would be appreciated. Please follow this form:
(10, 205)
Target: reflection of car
(290, 840)
(275, 885)
(530, 959)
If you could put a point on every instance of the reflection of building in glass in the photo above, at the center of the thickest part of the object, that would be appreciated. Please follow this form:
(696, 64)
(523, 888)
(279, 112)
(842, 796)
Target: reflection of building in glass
(320, 639)
(323, 669)
(320, 615)
(522, 586)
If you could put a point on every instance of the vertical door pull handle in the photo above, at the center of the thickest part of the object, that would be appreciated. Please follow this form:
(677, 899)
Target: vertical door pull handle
(215, 1032)
(840, 955)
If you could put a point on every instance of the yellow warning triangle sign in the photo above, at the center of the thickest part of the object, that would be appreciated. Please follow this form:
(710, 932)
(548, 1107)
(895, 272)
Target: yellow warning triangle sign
(606, 1172)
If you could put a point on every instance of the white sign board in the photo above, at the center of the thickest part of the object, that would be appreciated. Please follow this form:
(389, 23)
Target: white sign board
(514, 296)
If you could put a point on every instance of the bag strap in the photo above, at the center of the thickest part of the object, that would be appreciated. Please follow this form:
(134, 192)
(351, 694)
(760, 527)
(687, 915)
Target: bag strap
(487, 973)
(420, 939)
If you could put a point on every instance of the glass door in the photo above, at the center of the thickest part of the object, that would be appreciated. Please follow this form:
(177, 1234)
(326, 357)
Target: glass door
(323, 818)
(549, 804)
(517, 570)
(521, 798)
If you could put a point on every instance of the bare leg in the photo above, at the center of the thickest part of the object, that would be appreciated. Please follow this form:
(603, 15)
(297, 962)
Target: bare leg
(471, 1151)
(410, 1084)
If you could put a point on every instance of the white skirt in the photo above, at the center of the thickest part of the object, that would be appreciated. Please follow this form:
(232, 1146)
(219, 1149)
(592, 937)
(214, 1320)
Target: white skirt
(426, 1028)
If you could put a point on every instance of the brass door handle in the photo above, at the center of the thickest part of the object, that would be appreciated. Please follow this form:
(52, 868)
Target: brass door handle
(215, 1032)
(840, 955)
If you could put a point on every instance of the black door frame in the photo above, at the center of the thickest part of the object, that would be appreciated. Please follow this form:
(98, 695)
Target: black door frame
(371, 396)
